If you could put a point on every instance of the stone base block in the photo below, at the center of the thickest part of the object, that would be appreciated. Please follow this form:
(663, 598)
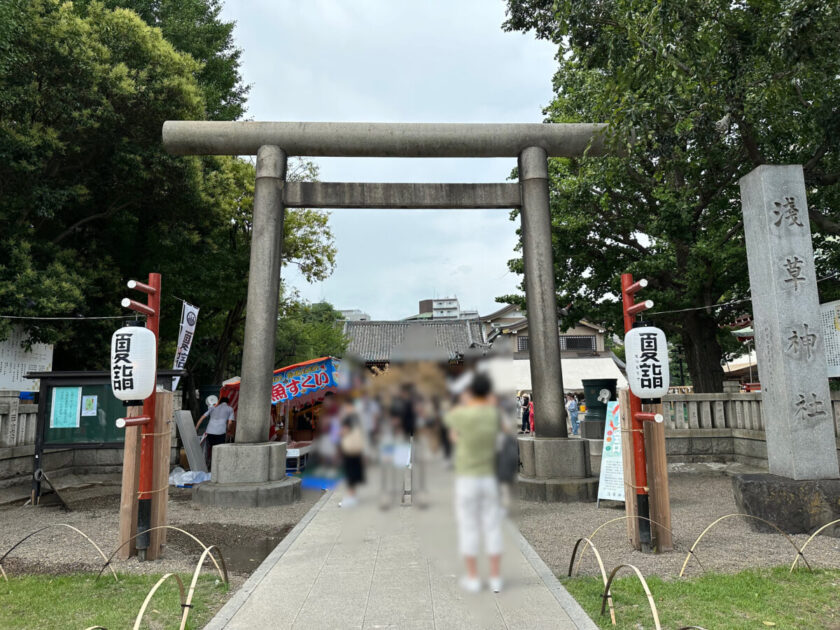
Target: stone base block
(526, 456)
(241, 463)
(595, 448)
(265, 494)
(592, 429)
(276, 461)
(557, 490)
(560, 458)
(796, 507)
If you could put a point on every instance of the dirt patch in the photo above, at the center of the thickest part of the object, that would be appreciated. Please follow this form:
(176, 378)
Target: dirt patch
(242, 546)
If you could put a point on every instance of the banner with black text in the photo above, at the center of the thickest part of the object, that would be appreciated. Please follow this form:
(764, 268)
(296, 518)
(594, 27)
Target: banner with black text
(189, 317)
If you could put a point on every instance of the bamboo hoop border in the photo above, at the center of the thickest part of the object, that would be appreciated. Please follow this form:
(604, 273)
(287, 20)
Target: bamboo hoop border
(222, 574)
(50, 526)
(758, 518)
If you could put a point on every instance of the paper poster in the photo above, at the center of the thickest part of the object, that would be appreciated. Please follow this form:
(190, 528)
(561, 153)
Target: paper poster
(830, 319)
(611, 486)
(66, 407)
(89, 405)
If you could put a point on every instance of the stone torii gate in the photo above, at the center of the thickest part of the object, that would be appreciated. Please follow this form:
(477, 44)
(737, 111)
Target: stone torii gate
(548, 459)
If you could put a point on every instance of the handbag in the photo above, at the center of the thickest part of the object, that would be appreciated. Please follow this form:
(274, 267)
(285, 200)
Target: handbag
(353, 442)
(507, 456)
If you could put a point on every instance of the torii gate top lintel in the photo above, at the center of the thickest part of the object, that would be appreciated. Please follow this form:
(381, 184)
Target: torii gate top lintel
(356, 139)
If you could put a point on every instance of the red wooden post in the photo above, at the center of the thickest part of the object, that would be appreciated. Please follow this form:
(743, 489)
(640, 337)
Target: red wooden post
(144, 507)
(631, 309)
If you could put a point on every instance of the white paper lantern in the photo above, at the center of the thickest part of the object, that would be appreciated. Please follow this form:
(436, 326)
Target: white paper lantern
(133, 363)
(646, 353)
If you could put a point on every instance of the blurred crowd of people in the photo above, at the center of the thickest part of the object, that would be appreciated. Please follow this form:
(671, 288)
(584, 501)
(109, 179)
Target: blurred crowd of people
(407, 419)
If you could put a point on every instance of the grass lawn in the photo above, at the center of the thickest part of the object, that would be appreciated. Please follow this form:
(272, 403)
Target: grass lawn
(750, 599)
(77, 601)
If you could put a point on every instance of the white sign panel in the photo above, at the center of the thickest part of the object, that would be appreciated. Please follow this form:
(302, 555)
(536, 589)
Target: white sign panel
(189, 317)
(830, 319)
(646, 353)
(611, 486)
(133, 363)
(16, 360)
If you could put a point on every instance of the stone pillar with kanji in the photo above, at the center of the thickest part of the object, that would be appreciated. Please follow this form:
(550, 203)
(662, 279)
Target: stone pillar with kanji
(791, 356)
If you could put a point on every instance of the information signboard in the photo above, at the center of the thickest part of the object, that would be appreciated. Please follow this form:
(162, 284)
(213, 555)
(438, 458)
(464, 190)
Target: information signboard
(611, 485)
(16, 360)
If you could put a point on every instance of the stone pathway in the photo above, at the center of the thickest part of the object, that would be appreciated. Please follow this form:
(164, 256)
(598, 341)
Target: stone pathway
(365, 568)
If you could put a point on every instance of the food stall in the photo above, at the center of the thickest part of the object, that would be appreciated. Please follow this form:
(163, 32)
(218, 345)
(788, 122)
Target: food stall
(296, 396)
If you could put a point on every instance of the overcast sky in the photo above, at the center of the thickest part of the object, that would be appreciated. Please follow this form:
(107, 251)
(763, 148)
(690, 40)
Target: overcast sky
(399, 61)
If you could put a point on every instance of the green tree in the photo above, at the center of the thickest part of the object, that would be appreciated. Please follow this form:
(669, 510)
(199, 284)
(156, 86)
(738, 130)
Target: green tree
(89, 199)
(195, 27)
(80, 161)
(308, 331)
(709, 89)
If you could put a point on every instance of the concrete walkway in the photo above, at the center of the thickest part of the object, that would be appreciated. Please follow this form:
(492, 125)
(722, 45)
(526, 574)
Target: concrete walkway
(365, 568)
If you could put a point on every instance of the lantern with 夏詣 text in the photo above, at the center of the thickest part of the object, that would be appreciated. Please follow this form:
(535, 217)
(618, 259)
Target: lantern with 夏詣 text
(133, 363)
(646, 353)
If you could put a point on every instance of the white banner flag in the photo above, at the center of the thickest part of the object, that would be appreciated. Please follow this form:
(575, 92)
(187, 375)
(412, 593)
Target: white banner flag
(189, 316)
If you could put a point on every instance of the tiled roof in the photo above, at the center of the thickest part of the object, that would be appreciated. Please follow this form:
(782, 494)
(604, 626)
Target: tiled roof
(375, 342)
(505, 311)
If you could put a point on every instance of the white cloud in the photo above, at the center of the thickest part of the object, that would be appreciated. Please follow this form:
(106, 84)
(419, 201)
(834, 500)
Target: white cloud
(399, 61)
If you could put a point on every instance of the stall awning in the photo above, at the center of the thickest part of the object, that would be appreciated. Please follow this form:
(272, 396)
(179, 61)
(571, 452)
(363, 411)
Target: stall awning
(574, 371)
(297, 384)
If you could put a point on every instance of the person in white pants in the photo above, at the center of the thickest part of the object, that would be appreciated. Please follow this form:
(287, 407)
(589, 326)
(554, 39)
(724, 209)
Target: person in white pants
(474, 425)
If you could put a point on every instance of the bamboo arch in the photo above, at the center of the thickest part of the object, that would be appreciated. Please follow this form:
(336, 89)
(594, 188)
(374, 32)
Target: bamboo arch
(644, 585)
(604, 524)
(807, 542)
(589, 543)
(188, 604)
(222, 573)
(722, 518)
(151, 594)
(78, 531)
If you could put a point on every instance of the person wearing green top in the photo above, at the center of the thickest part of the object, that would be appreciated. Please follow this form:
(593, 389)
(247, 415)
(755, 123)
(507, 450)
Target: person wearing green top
(474, 427)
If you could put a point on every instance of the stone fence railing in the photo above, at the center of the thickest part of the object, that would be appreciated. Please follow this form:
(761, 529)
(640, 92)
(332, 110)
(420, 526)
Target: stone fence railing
(724, 411)
(17, 422)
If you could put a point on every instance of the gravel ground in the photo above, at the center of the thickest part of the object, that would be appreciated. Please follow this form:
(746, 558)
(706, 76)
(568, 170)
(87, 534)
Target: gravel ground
(696, 501)
(244, 535)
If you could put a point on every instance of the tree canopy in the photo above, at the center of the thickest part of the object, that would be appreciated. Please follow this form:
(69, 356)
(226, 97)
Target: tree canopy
(88, 197)
(194, 27)
(697, 93)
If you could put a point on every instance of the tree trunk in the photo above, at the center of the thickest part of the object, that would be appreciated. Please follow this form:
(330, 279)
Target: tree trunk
(702, 352)
(232, 321)
(190, 401)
